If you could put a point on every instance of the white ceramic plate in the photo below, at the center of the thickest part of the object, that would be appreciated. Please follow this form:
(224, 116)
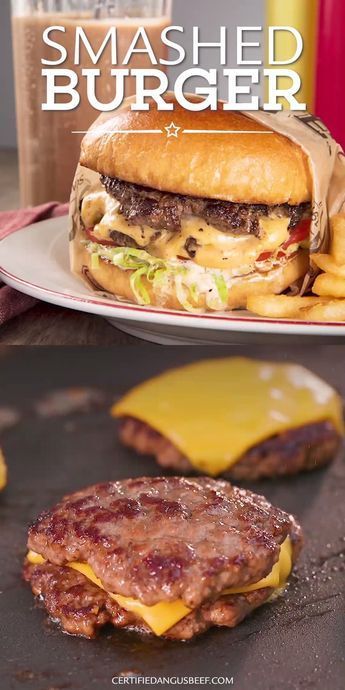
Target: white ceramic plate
(35, 261)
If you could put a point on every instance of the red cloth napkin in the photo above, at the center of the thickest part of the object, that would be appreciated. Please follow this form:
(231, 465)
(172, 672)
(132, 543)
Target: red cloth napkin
(12, 302)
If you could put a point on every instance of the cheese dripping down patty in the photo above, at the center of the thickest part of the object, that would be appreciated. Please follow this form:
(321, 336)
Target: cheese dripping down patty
(214, 411)
(164, 615)
(212, 248)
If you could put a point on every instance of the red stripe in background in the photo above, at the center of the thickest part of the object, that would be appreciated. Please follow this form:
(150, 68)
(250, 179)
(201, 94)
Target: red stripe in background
(330, 81)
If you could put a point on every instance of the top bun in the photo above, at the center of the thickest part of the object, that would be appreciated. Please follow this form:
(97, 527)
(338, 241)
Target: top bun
(248, 168)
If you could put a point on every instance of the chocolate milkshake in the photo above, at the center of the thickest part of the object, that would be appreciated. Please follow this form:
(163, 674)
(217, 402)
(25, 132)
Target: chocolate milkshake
(48, 151)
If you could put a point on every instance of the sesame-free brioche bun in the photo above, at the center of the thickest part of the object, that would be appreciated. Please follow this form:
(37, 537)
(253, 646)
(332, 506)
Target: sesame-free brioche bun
(111, 279)
(249, 168)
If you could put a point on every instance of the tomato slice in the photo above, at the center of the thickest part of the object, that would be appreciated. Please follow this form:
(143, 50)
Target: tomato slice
(93, 238)
(264, 256)
(298, 235)
(282, 254)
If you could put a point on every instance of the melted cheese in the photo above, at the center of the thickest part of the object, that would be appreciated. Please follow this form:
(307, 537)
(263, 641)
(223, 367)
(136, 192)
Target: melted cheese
(218, 249)
(214, 411)
(215, 249)
(163, 616)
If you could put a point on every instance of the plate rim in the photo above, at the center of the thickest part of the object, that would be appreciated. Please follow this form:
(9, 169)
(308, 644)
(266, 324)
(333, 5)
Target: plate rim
(133, 312)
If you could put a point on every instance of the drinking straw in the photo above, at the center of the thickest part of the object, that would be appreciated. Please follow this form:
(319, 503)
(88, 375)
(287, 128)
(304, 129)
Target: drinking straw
(303, 16)
(330, 89)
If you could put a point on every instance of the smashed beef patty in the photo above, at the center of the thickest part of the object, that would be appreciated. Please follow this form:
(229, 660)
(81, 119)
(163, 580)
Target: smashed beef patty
(304, 448)
(81, 608)
(166, 538)
(164, 211)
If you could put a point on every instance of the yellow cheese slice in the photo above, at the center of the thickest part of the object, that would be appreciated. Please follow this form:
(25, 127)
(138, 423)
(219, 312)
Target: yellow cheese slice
(215, 410)
(164, 615)
(3, 471)
(278, 576)
(159, 617)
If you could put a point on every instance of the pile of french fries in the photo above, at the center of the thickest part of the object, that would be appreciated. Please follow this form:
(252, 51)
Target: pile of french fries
(328, 301)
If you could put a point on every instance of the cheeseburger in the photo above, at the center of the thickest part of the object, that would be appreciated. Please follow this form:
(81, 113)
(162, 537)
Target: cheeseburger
(166, 556)
(191, 221)
(240, 418)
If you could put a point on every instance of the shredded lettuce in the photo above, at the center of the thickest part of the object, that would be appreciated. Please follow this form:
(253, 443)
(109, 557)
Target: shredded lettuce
(94, 261)
(182, 294)
(160, 277)
(194, 292)
(127, 258)
(130, 259)
(221, 287)
(159, 273)
(140, 292)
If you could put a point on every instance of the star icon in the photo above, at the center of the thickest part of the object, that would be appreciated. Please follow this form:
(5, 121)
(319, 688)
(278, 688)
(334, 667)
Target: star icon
(172, 130)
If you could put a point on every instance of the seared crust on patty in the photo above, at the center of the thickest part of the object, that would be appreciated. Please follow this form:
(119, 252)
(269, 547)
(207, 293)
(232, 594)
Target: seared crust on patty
(166, 538)
(305, 448)
(82, 608)
(163, 211)
(70, 598)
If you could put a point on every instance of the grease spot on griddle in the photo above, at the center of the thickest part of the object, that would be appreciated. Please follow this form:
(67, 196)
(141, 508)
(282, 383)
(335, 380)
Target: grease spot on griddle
(67, 401)
(29, 676)
(129, 674)
(9, 417)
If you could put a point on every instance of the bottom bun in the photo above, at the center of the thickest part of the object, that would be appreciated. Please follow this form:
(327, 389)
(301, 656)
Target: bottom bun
(116, 281)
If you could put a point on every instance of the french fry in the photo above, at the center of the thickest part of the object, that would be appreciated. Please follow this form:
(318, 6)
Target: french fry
(281, 306)
(337, 224)
(328, 285)
(327, 264)
(3, 471)
(334, 310)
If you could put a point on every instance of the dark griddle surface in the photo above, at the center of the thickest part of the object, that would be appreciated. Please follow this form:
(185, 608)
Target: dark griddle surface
(296, 642)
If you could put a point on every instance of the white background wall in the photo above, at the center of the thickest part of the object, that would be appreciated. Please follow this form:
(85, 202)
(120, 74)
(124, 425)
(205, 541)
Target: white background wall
(209, 15)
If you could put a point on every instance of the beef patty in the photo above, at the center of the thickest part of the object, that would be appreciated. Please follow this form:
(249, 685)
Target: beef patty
(164, 211)
(157, 539)
(305, 448)
(82, 608)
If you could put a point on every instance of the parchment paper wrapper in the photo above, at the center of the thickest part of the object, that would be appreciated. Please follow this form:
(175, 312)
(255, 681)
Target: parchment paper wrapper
(327, 165)
(85, 181)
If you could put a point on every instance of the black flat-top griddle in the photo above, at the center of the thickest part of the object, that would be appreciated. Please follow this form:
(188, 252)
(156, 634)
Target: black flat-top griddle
(297, 641)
